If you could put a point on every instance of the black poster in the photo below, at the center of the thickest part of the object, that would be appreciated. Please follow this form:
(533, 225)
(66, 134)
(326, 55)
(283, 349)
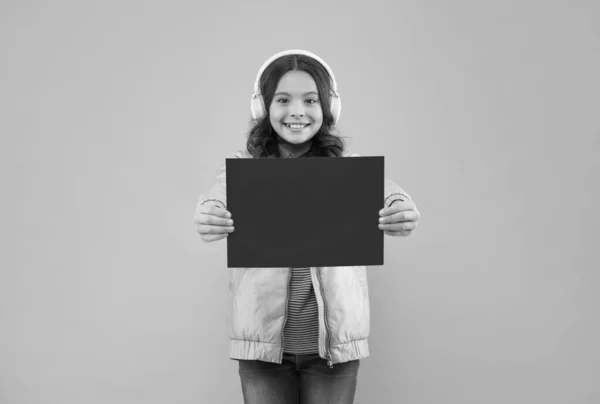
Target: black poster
(303, 212)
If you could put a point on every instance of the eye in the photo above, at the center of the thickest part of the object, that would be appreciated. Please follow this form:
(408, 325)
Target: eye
(282, 100)
(312, 101)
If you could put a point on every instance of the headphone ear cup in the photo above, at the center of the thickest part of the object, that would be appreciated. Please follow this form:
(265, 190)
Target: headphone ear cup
(336, 107)
(257, 107)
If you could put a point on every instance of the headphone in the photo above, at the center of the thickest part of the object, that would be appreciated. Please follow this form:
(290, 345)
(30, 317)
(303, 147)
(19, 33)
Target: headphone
(257, 103)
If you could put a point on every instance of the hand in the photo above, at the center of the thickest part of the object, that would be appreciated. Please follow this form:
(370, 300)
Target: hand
(400, 219)
(213, 222)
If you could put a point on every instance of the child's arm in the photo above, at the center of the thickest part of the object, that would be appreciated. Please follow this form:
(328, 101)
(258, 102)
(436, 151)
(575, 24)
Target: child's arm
(393, 193)
(217, 194)
(401, 218)
(211, 217)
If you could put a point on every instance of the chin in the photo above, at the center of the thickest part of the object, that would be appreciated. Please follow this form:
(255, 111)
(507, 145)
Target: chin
(296, 140)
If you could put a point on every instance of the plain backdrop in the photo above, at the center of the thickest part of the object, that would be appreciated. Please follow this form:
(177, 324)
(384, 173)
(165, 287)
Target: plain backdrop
(115, 115)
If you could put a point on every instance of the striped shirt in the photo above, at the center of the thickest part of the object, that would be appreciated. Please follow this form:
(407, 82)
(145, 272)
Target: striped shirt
(301, 330)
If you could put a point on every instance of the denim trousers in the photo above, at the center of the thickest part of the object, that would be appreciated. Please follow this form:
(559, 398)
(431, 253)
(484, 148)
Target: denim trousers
(299, 379)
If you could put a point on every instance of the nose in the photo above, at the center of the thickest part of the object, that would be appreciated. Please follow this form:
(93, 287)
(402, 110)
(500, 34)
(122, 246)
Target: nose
(297, 109)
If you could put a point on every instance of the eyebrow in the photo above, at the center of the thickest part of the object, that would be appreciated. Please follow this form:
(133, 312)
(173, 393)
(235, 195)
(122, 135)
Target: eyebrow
(289, 95)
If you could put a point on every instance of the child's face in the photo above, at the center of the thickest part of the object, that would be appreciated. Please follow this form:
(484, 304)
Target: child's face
(296, 101)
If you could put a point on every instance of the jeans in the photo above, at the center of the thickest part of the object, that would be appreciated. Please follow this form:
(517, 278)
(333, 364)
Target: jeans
(299, 379)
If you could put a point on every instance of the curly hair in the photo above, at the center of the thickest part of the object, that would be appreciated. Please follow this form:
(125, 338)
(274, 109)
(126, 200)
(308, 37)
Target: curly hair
(263, 140)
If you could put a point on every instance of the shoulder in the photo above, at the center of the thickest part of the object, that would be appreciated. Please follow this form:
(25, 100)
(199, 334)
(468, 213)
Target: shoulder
(242, 154)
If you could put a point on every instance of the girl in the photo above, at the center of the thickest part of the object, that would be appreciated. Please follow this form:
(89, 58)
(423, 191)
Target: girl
(297, 333)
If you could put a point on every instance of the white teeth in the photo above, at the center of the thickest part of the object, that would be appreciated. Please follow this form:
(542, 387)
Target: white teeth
(296, 126)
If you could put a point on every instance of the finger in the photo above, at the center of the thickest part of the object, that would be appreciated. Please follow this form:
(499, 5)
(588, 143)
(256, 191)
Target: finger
(401, 226)
(210, 213)
(404, 216)
(397, 206)
(211, 208)
(215, 221)
(397, 233)
(213, 237)
(208, 229)
(210, 220)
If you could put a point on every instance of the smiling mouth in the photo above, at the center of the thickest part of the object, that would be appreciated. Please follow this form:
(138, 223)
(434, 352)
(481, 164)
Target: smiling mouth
(296, 126)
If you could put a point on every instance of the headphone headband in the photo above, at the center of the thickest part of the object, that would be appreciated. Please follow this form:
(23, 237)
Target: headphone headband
(294, 52)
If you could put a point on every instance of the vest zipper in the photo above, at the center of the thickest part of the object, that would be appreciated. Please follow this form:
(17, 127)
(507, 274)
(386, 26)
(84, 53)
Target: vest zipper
(287, 297)
(330, 360)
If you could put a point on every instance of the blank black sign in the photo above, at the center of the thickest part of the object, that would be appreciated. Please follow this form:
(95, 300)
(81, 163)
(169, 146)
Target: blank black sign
(308, 211)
